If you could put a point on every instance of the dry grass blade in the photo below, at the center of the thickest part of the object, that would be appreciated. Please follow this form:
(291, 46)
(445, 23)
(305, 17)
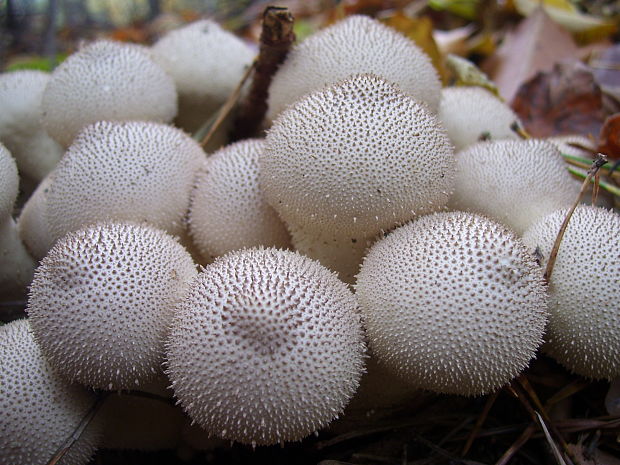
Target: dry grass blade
(567, 391)
(612, 189)
(481, 419)
(552, 444)
(228, 105)
(520, 130)
(596, 165)
(514, 448)
(79, 430)
(607, 169)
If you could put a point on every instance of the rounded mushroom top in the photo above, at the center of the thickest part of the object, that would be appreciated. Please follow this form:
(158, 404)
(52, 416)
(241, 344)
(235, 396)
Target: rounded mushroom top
(453, 303)
(135, 171)
(228, 210)
(9, 185)
(110, 81)
(515, 182)
(40, 409)
(471, 114)
(356, 158)
(355, 45)
(35, 152)
(205, 61)
(102, 299)
(584, 301)
(267, 347)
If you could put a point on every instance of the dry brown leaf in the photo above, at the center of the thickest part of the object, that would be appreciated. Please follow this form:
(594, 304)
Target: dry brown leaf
(606, 68)
(565, 100)
(609, 140)
(534, 46)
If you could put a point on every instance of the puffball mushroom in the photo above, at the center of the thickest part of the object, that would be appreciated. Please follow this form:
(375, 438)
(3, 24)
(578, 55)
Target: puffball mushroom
(40, 409)
(356, 158)
(584, 306)
(452, 302)
(32, 222)
(470, 114)
(228, 210)
(106, 80)
(267, 347)
(16, 265)
(206, 63)
(135, 171)
(35, 152)
(515, 182)
(102, 300)
(355, 45)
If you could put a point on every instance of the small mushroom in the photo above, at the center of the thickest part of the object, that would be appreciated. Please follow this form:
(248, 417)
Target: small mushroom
(102, 299)
(110, 81)
(355, 45)
(453, 303)
(266, 347)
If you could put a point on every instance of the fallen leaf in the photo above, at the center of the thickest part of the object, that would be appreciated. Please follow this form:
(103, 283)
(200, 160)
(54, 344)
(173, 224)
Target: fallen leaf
(609, 140)
(467, 9)
(468, 74)
(420, 30)
(453, 41)
(606, 68)
(535, 45)
(565, 100)
(588, 28)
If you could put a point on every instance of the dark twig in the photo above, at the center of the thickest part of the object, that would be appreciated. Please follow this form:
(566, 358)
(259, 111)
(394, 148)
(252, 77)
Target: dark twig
(596, 165)
(79, 430)
(481, 419)
(276, 38)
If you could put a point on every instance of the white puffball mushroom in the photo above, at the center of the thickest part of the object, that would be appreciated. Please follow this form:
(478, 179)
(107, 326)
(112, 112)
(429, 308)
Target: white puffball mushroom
(471, 114)
(355, 45)
(134, 171)
(453, 303)
(16, 264)
(35, 152)
(32, 223)
(228, 210)
(356, 158)
(206, 63)
(583, 147)
(110, 81)
(584, 298)
(267, 347)
(514, 182)
(40, 409)
(102, 300)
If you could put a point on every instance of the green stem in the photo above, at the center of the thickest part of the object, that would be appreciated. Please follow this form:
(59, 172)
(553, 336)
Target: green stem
(615, 190)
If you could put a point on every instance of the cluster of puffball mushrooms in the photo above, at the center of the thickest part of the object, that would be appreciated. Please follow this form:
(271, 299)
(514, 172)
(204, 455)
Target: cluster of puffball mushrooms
(371, 238)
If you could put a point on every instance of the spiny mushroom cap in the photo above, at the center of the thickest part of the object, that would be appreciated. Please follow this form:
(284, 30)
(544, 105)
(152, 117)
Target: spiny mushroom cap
(135, 171)
(356, 158)
(471, 114)
(228, 210)
(106, 81)
(206, 63)
(267, 347)
(9, 185)
(35, 152)
(40, 409)
(355, 45)
(515, 182)
(32, 223)
(102, 300)
(584, 304)
(453, 303)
